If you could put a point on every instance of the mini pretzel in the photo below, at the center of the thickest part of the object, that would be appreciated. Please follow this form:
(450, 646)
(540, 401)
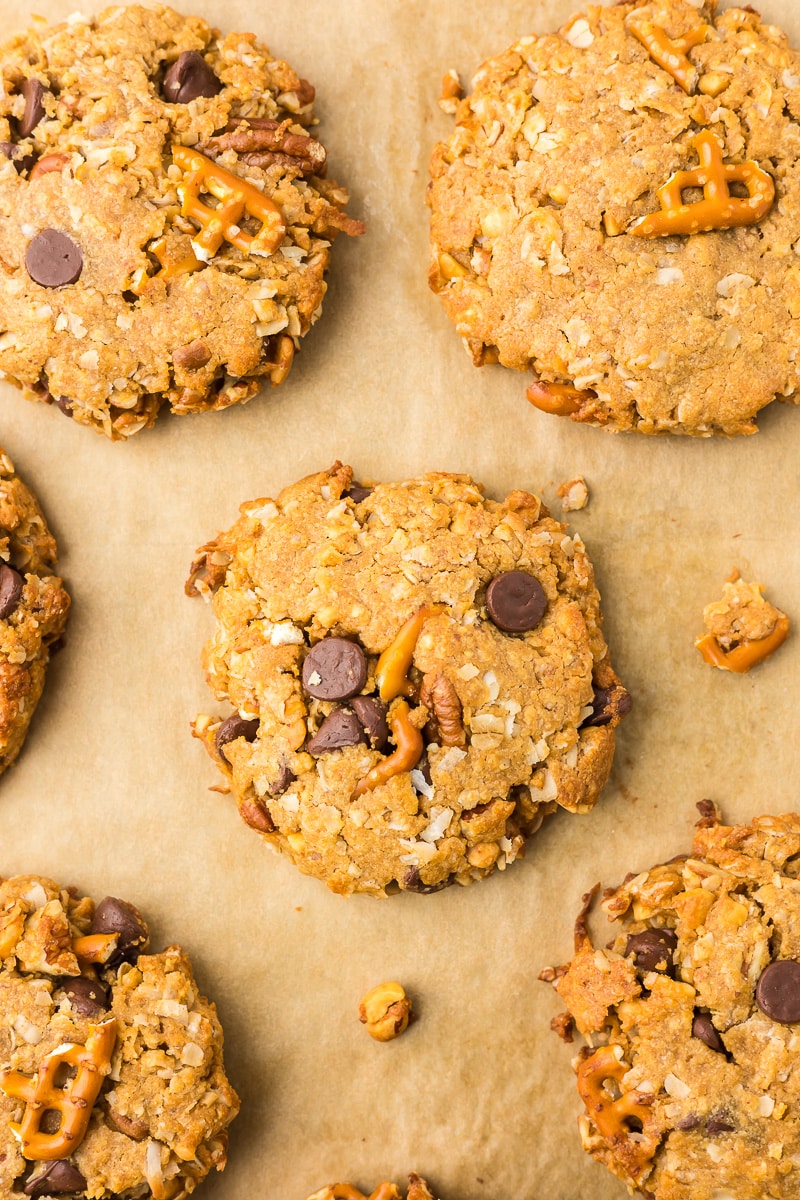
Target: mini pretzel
(718, 209)
(409, 750)
(560, 399)
(237, 199)
(182, 266)
(670, 53)
(393, 664)
(346, 1191)
(73, 1101)
(95, 947)
(747, 654)
(611, 1117)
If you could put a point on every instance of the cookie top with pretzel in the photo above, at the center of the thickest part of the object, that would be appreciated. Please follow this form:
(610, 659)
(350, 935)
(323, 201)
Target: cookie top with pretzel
(413, 677)
(615, 213)
(690, 1081)
(168, 219)
(111, 1074)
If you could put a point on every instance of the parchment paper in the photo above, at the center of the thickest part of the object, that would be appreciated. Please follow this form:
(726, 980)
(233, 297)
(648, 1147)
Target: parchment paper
(112, 794)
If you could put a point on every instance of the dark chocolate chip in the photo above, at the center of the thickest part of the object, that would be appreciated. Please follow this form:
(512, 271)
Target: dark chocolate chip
(53, 260)
(11, 584)
(686, 1123)
(231, 729)
(189, 76)
(719, 1122)
(704, 1029)
(357, 492)
(118, 916)
(412, 883)
(22, 162)
(281, 781)
(608, 703)
(33, 91)
(778, 991)
(63, 405)
(371, 712)
(341, 728)
(334, 669)
(516, 601)
(59, 1178)
(652, 949)
(87, 996)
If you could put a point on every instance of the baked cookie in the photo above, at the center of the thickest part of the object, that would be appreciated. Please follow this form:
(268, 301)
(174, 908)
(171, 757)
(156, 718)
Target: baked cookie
(418, 676)
(417, 1190)
(111, 1075)
(743, 628)
(33, 608)
(616, 212)
(691, 1077)
(166, 220)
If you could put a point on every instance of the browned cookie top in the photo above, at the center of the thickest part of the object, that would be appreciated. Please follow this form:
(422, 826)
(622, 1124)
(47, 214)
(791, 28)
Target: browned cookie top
(417, 673)
(542, 194)
(166, 221)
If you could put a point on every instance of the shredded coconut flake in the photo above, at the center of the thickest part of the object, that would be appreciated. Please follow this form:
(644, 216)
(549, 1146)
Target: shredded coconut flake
(450, 758)
(36, 895)
(421, 785)
(579, 34)
(440, 819)
(675, 1087)
(286, 633)
(729, 283)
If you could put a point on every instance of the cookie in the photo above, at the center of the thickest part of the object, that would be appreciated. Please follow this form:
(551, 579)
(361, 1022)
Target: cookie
(418, 675)
(33, 608)
(417, 1190)
(111, 1073)
(743, 628)
(166, 217)
(615, 212)
(691, 1077)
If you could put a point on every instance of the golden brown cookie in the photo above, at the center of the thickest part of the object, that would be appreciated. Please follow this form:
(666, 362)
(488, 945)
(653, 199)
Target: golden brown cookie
(111, 1073)
(616, 212)
(33, 608)
(166, 217)
(417, 1190)
(418, 675)
(691, 1075)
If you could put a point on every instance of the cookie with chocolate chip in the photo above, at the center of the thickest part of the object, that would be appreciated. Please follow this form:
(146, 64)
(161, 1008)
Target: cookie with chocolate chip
(111, 1074)
(167, 217)
(417, 675)
(33, 608)
(614, 211)
(691, 1075)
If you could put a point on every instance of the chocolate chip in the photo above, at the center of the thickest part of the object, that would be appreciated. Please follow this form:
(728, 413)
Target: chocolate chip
(357, 492)
(704, 1029)
(341, 728)
(87, 997)
(52, 259)
(371, 712)
(231, 729)
(334, 669)
(516, 601)
(412, 883)
(118, 916)
(63, 405)
(189, 76)
(607, 704)
(778, 991)
(652, 950)
(11, 584)
(281, 781)
(686, 1123)
(33, 91)
(22, 162)
(719, 1122)
(57, 1179)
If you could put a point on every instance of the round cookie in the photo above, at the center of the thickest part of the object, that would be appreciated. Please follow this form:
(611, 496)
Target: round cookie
(111, 1073)
(124, 291)
(692, 1014)
(550, 249)
(387, 729)
(33, 608)
(418, 1189)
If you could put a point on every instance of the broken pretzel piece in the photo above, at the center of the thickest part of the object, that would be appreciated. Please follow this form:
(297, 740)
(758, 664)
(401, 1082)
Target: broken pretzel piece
(408, 740)
(614, 1118)
(560, 399)
(669, 53)
(743, 628)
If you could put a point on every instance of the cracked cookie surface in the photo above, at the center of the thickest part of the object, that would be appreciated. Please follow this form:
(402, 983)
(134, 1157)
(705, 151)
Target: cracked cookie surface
(558, 152)
(418, 676)
(691, 1077)
(33, 608)
(166, 221)
(71, 974)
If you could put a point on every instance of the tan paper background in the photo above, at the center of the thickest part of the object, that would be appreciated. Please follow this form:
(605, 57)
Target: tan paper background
(111, 792)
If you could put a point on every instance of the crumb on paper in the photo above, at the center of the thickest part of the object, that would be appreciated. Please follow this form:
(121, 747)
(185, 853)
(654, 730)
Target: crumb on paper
(743, 628)
(452, 92)
(574, 494)
(385, 1010)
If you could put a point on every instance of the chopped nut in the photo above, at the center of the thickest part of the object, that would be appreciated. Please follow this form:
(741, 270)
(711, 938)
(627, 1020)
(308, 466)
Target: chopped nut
(385, 1011)
(574, 494)
(452, 92)
(440, 696)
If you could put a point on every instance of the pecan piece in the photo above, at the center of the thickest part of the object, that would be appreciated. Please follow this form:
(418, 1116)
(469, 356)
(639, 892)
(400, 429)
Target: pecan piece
(439, 696)
(262, 142)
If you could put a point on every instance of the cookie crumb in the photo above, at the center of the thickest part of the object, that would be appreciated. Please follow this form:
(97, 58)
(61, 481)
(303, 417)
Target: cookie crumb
(385, 1010)
(574, 494)
(742, 628)
(452, 92)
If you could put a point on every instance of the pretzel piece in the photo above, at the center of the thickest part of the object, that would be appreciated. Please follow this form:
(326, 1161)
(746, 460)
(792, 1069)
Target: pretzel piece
(669, 53)
(747, 654)
(718, 209)
(237, 199)
(346, 1191)
(612, 1118)
(95, 947)
(393, 664)
(73, 1101)
(560, 399)
(409, 744)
